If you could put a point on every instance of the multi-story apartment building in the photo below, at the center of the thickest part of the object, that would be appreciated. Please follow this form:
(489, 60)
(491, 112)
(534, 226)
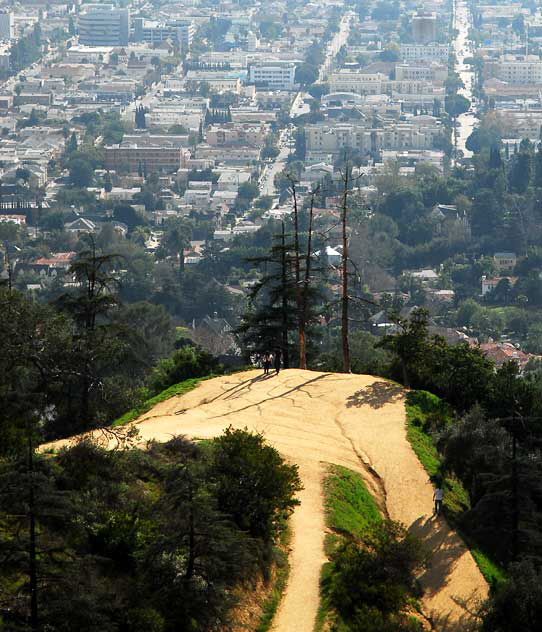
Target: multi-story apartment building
(235, 134)
(378, 83)
(181, 31)
(226, 81)
(275, 74)
(104, 25)
(425, 52)
(424, 27)
(416, 71)
(149, 153)
(328, 138)
(518, 69)
(357, 82)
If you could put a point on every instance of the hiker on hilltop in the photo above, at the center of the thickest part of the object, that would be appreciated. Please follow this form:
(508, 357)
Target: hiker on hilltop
(266, 362)
(277, 361)
(438, 497)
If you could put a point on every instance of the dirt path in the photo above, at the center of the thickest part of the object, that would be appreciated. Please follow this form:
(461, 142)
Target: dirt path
(352, 420)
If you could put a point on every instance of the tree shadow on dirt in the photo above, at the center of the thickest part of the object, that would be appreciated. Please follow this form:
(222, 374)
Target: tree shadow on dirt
(445, 548)
(282, 395)
(231, 393)
(375, 395)
(468, 621)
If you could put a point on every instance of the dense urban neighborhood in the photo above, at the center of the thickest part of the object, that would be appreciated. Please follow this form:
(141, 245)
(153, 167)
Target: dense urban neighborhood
(205, 188)
(174, 133)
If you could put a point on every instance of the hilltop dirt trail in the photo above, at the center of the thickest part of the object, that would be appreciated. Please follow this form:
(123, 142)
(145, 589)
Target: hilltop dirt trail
(352, 420)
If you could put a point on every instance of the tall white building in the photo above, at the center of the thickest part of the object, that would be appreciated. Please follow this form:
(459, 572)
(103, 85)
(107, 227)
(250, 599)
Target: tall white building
(6, 25)
(274, 74)
(104, 25)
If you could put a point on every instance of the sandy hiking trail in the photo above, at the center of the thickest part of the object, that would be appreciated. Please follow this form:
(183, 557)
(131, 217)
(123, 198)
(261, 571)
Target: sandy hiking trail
(356, 421)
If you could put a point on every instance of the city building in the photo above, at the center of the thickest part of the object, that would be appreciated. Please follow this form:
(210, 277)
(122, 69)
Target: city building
(5, 56)
(505, 261)
(181, 31)
(88, 54)
(147, 154)
(424, 27)
(7, 31)
(273, 74)
(104, 25)
(521, 69)
(327, 138)
(425, 52)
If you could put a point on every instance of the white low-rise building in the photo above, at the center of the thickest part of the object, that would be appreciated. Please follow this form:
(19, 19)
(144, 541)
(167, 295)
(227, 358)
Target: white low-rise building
(273, 74)
(520, 69)
(425, 52)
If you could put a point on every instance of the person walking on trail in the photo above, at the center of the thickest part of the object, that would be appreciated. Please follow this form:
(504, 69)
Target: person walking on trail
(277, 361)
(266, 362)
(438, 496)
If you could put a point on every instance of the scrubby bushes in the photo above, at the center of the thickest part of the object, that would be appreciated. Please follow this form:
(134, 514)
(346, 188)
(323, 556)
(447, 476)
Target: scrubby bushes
(138, 541)
(372, 582)
(369, 585)
(187, 362)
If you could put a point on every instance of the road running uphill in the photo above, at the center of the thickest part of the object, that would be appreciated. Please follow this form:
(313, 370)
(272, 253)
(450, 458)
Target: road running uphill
(358, 422)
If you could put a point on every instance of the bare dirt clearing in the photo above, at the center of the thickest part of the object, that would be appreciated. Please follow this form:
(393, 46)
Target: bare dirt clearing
(352, 420)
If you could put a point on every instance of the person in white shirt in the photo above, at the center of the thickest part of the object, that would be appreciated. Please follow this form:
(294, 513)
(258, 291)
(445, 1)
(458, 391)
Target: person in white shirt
(438, 497)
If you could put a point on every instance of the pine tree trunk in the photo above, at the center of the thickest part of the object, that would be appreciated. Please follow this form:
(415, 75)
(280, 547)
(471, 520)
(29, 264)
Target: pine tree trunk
(284, 283)
(191, 541)
(304, 298)
(302, 358)
(181, 262)
(344, 268)
(32, 547)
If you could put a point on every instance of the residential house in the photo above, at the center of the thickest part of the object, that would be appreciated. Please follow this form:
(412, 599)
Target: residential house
(51, 267)
(490, 283)
(81, 226)
(501, 352)
(505, 261)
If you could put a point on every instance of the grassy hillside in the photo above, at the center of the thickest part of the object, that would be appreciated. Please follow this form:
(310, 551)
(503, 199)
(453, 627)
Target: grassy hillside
(177, 389)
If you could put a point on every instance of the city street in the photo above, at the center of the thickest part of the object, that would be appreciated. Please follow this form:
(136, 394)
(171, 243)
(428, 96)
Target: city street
(462, 48)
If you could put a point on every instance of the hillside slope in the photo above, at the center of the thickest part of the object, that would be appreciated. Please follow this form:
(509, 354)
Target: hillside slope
(352, 420)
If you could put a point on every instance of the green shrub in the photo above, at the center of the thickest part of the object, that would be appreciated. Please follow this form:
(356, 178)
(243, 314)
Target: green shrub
(188, 362)
(372, 582)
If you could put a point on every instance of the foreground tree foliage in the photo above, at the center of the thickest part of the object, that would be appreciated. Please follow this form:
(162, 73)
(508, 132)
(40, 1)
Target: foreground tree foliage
(372, 582)
(137, 540)
(516, 606)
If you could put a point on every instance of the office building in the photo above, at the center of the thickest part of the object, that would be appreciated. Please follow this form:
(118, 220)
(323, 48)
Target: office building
(104, 25)
(273, 74)
(181, 31)
(424, 27)
(6, 26)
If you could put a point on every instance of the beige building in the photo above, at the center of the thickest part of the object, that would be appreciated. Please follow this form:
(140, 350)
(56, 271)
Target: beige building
(521, 69)
(235, 134)
(160, 154)
(322, 139)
